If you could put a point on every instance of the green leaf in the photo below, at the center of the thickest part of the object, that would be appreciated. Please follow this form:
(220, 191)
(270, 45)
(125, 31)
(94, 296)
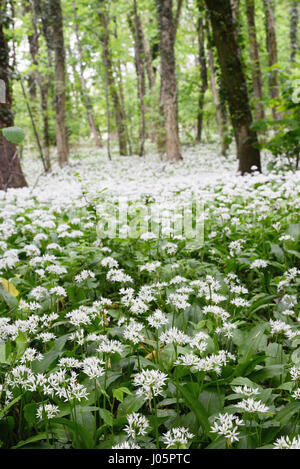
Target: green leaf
(119, 393)
(268, 372)
(285, 415)
(278, 252)
(195, 406)
(49, 358)
(13, 402)
(32, 439)
(9, 299)
(82, 438)
(107, 416)
(30, 413)
(131, 404)
(14, 134)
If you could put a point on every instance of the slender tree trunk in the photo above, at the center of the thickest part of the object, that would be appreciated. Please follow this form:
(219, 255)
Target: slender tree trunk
(235, 84)
(41, 81)
(42, 11)
(235, 5)
(220, 106)
(84, 89)
(167, 27)
(118, 109)
(60, 82)
(119, 74)
(148, 59)
(255, 62)
(11, 175)
(271, 43)
(203, 73)
(139, 55)
(294, 12)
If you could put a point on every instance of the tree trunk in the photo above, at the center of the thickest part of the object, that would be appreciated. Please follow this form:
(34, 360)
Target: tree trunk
(118, 71)
(118, 109)
(203, 72)
(11, 175)
(271, 43)
(219, 101)
(255, 62)
(235, 84)
(167, 27)
(235, 5)
(294, 12)
(139, 55)
(41, 81)
(60, 82)
(84, 89)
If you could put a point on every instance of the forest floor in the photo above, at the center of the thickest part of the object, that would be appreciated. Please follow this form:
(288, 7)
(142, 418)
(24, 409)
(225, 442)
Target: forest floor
(143, 340)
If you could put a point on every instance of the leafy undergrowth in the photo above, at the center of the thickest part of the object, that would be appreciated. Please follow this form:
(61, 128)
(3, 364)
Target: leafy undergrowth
(150, 341)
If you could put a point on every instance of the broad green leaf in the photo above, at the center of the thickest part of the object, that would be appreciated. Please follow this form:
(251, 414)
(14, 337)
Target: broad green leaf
(119, 393)
(9, 287)
(130, 404)
(196, 406)
(107, 416)
(14, 134)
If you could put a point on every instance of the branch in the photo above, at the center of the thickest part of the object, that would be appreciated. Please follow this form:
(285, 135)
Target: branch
(177, 16)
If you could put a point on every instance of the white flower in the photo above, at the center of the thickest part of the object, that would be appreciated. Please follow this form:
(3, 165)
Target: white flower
(91, 366)
(132, 332)
(250, 405)
(157, 319)
(109, 346)
(117, 275)
(58, 291)
(244, 390)
(258, 264)
(46, 336)
(217, 311)
(48, 410)
(84, 275)
(284, 442)
(126, 445)
(296, 394)
(177, 437)
(295, 373)
(137, 425)
(79, 316)
(178, 300)
(150, 383)
(109, 262)
(69, 362)
(150, 266)
(173, 336)
(226, 329)
(30, 355)
(227, 425)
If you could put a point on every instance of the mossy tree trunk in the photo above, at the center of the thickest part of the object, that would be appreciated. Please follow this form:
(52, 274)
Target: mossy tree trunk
(11, 174)
(235, 84)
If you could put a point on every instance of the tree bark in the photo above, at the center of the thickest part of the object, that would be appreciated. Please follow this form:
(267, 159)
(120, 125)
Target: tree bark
(294, 29)
(255, 62)
(235, 84)
(42, 81)
(271, 43)
(167, 27)
(11, 175)
(139, 55)
(84, 89)
(203, 72)
(219, 101)
(60, 81)
(118, 108)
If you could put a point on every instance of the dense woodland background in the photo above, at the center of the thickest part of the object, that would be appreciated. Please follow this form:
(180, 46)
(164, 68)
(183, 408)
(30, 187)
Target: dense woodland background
(150, 74)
